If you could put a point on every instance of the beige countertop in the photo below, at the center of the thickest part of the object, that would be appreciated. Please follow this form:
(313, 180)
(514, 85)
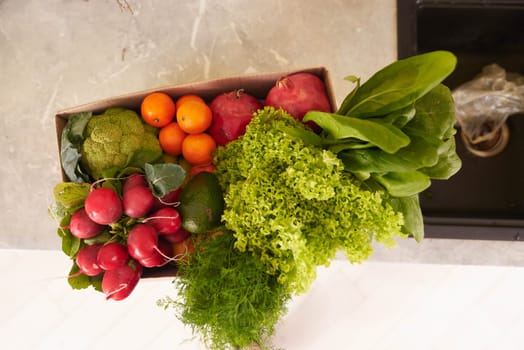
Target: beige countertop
(58, 54)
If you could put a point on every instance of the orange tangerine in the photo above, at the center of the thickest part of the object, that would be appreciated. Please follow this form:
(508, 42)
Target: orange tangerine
(194, 117)
(198, 149)
(189, 97)
(171, 137)
(157, 109)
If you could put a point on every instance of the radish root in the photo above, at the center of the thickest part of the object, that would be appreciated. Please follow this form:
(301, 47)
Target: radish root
(122, 287)
(175, 258)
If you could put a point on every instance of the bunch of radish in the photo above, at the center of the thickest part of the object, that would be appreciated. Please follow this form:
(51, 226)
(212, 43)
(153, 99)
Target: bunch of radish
(152, 226)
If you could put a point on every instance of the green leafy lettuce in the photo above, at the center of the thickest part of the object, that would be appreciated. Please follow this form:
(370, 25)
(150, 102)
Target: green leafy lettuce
(293, 206)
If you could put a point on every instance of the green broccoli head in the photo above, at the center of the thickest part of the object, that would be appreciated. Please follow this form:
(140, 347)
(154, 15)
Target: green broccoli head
(111, 137)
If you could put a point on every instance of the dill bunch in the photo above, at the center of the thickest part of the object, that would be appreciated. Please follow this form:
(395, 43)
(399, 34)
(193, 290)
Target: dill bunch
(226, 296)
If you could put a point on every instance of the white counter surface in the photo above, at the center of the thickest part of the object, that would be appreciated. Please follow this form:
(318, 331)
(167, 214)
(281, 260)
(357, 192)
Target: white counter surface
(374, 306)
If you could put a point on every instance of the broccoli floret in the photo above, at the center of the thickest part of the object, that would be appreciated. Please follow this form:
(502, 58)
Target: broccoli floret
(110, 138)
(150, 142)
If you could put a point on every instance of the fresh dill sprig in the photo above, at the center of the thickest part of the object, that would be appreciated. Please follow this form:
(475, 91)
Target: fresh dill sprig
(226, 296)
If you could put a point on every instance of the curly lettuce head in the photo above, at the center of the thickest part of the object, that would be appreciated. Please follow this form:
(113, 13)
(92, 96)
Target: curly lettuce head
(293, 206)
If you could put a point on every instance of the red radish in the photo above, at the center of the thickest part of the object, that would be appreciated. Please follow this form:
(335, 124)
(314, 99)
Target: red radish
(81, 226)
(232, 111)
(138, 201)
(177, 237)
(166, 221)
(160, 257)
(133, 180)
(298, 94)
(119, 283)
(103, 206)
(168, 200)
(112, 256)
(86, 260)
(142, 241)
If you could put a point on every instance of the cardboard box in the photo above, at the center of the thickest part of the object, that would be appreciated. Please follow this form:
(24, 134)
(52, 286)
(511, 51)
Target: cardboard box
(257, 84)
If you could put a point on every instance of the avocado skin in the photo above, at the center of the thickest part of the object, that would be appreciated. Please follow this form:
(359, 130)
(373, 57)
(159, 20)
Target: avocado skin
(201, 203)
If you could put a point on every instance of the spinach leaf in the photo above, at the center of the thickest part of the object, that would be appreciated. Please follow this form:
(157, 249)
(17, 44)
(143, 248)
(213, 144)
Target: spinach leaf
(347, 100)
(421, 152)
(381, 134)
(309, 137)
(413, 219)
(70, 143)
(435, 113)
(448, 164)
(397, 118)
(164, 177)
(435, 117)
(400, 117)
(400, 84)
(337, 147)
(404, 183)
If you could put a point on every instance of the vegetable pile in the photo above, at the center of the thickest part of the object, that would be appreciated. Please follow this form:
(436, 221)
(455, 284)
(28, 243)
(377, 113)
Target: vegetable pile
(142, 189)
(247, 197)
(303, 207)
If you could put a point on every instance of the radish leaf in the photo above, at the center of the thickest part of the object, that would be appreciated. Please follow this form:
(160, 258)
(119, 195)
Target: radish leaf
(164, 177)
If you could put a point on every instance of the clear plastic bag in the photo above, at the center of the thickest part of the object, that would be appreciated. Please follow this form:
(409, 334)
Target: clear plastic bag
(483, 104)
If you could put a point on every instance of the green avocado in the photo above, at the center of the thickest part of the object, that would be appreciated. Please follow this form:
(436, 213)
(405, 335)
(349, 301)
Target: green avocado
(201, 203)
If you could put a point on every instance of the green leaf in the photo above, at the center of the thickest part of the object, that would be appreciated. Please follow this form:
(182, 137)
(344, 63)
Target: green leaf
(381, 134)
(349, 145)
(70, 143)
(164, 178)
(75, 246)
(413, 219)
(421, 152)
(400, 117)
(400, 84)
(78, 280)
(96, 282)
(435, 113)
(138, 159)
(435, 117)
(71, 195)
(347, 100)
(307, 136)
(70, 244)
(403, 184)
(101, 238)
(67, 240)
(57, 211)
(448, 164)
